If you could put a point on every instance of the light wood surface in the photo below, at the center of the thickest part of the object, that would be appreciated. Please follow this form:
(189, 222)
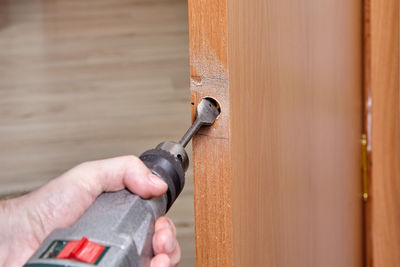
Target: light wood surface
(289, 75)
(83, 80)
(383, 205)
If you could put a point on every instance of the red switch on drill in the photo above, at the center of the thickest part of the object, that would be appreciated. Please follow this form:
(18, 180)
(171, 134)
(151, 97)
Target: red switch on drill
(81, 250)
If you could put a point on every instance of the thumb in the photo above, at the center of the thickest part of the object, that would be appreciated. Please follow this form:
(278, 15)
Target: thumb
(115, 174)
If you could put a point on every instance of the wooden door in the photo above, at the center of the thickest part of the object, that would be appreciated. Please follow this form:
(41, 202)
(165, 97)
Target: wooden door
(277, 177)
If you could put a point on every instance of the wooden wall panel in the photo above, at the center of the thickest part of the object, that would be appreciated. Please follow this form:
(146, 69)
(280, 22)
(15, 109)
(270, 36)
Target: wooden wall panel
(383, 205)
(277, 178)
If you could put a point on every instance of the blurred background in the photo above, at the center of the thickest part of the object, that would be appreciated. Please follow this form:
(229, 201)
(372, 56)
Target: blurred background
(90, 79)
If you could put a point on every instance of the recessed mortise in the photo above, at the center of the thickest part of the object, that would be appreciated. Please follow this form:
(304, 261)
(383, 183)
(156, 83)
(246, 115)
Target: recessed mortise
(214, 104)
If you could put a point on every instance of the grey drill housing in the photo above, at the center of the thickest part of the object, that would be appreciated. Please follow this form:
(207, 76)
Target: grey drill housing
(117, 229)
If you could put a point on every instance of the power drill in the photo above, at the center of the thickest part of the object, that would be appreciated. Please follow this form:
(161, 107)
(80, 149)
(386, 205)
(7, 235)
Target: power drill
(118, 227)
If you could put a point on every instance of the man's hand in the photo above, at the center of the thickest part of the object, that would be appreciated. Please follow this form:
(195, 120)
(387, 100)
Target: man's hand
(26, 221)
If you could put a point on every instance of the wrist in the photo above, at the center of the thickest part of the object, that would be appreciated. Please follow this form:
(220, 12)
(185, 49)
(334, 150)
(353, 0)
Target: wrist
(16, 232)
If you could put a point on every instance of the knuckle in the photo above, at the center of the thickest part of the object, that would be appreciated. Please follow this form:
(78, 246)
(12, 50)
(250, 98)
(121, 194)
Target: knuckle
(133, 160)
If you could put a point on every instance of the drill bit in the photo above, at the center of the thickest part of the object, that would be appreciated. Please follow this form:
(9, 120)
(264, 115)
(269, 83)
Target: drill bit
(207, 112)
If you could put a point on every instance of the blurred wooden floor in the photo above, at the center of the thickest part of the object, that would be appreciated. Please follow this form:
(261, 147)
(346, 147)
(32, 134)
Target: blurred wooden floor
(91, 79)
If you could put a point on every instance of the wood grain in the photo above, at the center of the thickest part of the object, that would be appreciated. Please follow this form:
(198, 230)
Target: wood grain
(383, 206)
(295, 85)
(89, 79)
(212, 200)
(211, 156)
(290, 174)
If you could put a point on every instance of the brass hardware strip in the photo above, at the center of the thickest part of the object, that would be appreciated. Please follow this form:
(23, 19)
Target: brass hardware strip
(364, 166)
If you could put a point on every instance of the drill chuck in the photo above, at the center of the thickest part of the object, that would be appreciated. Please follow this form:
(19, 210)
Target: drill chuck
(169, 167)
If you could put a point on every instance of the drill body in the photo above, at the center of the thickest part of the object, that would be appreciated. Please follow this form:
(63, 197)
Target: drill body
(117, 229)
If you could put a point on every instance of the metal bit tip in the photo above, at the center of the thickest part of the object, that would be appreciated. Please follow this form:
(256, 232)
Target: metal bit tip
(207, 111)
